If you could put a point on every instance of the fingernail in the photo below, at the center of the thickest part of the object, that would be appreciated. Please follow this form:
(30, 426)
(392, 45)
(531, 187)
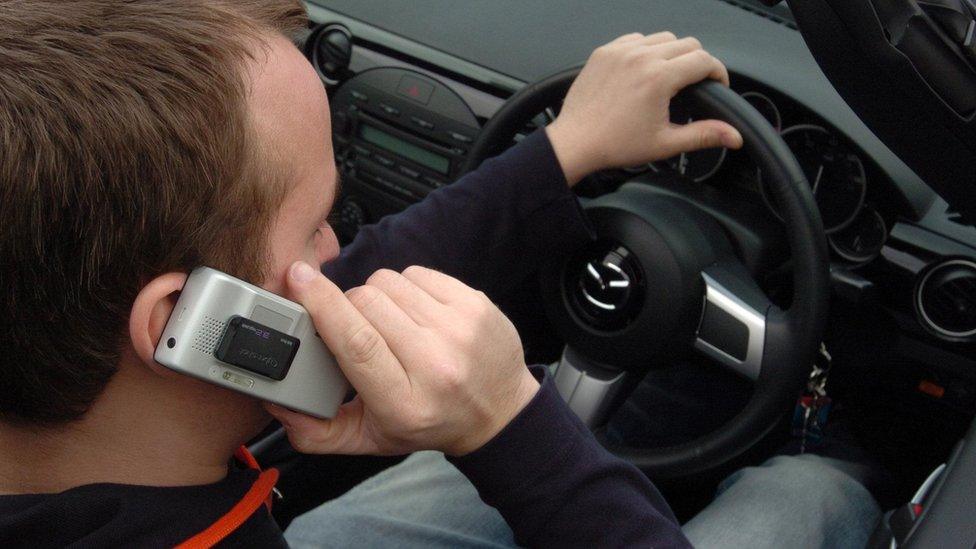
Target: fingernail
(731, 140)
(302, 272)
(277, 412)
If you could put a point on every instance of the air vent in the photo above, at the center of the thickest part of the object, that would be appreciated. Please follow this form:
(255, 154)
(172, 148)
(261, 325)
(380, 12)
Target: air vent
(946, 299)
(208, 335)
(330, 52)
(958, 217)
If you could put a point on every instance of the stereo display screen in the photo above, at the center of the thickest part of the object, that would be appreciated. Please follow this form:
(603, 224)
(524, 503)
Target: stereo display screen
(402, 148)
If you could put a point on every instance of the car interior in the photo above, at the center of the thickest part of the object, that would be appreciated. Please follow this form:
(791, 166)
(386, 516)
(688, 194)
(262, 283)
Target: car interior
(685, 333)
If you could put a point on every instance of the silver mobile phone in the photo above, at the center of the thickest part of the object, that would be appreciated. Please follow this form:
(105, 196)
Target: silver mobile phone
(239, 336)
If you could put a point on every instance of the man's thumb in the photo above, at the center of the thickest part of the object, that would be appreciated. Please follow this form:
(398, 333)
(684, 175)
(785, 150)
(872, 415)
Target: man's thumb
(310, 435)
(703, 134)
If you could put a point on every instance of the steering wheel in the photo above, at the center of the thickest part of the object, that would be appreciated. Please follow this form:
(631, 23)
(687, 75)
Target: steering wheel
(661, 277)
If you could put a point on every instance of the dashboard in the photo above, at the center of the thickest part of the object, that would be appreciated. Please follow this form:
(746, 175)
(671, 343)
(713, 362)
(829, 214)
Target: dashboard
(419, 82)
(852, 192)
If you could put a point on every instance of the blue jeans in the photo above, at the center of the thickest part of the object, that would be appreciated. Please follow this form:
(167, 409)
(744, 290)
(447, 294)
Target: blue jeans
(789, 501)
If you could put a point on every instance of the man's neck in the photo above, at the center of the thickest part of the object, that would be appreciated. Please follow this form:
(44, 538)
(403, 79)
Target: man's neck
(144, 430)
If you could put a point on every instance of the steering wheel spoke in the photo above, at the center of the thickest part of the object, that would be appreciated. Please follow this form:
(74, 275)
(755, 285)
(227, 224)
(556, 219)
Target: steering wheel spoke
(592, 391)
(732, 328)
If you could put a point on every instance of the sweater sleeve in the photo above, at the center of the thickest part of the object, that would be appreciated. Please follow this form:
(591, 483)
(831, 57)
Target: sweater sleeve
(489, 229)
(556, 486)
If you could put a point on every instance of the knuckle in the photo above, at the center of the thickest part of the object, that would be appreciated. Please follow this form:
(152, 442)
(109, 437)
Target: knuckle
(414, 270)
(419, 419)
(654, 72)
(704, 139)
(481, 306)
(466, 336)
(448, 376)
(391, 280)
(703, 56)
(656, 68)
(363, 297)
(693, 42)
(490, 315)
(428, 418)
(480, 297)
(634, 57)
(381, 276)
(363, 344)
(300, 442)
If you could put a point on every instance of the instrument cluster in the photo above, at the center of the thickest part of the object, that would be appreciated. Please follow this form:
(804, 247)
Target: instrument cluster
(848, 189)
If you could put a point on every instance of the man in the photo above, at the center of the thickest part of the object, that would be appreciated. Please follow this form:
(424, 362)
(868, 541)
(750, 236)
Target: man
(141, 139)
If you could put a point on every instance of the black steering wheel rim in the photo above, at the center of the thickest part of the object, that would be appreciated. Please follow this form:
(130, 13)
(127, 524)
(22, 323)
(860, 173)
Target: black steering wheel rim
(792, 336)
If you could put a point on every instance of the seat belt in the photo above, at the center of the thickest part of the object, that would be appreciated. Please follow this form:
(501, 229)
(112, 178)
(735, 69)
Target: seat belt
(261, 492)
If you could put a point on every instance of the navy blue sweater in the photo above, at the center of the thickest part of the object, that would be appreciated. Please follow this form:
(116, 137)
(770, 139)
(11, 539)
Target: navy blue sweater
(551, 480)
(546, 474)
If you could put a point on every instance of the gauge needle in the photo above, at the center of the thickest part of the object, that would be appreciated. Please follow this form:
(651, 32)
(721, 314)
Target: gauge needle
(816, 181)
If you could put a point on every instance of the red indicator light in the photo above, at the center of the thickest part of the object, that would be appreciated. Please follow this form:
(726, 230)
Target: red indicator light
(932, 389)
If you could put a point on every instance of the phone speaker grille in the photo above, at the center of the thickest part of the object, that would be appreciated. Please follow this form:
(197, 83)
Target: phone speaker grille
(209, 335)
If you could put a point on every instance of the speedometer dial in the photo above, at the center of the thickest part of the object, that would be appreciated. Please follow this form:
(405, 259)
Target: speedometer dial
(835, 174)
(697, 165)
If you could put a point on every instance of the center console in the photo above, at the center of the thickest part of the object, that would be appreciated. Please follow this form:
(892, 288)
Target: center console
(398, 135)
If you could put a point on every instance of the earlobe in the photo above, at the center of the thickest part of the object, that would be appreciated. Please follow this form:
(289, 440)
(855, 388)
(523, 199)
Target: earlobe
(150, 311)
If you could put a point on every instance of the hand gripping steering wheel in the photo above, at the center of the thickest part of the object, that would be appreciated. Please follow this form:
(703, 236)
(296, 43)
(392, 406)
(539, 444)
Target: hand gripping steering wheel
(661, 277)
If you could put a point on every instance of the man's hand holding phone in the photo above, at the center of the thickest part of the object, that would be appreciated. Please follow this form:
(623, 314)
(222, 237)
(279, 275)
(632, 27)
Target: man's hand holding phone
(436, 365)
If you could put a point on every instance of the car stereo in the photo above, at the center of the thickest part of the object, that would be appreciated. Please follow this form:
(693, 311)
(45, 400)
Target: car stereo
(398, 135)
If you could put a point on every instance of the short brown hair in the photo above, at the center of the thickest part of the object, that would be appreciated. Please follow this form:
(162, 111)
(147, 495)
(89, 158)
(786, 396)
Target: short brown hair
(126, 151)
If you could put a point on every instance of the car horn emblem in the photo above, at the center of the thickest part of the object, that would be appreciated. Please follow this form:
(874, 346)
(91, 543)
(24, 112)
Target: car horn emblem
(605, 286)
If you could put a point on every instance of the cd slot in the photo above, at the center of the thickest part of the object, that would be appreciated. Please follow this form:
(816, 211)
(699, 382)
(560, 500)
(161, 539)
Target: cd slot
(408, 131)
(404, 134)
(401, 187)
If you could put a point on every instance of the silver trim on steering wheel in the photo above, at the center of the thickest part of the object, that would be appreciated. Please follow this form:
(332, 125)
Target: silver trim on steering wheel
(718, 296)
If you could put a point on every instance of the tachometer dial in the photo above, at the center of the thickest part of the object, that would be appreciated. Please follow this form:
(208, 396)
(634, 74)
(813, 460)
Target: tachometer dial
(863, 239)
(835, 174)
(766, 107)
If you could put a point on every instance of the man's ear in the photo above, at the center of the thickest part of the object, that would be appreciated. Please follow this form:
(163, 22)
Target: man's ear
(150, 311)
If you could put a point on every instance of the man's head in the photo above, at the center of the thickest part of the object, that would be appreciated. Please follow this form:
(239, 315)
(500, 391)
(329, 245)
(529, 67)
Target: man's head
(139, 138)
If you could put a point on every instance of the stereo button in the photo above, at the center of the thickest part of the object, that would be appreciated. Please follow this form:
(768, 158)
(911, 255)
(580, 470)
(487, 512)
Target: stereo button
(359, 96)
(383, 161)
(422, 123)
(459, 137)
(415, 88)
(392, 111)
(409, 172)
